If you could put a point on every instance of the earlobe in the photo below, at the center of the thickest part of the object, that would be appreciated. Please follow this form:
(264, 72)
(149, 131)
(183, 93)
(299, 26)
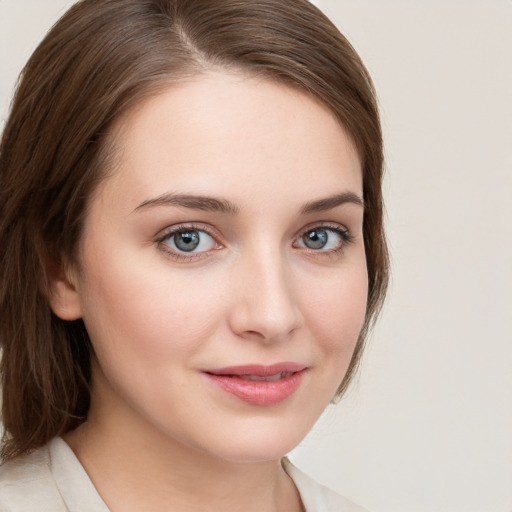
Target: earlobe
(63, 294)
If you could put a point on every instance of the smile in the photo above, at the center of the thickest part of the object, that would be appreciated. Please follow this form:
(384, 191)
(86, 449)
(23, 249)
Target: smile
(257, 384)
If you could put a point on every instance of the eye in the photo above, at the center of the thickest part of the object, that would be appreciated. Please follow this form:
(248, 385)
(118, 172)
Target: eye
(189, 240)
(324, 239)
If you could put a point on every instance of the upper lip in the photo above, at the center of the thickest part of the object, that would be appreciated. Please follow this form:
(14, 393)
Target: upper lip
(258, 370)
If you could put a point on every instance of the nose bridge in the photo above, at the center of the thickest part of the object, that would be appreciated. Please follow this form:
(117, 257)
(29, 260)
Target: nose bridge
(266, 304)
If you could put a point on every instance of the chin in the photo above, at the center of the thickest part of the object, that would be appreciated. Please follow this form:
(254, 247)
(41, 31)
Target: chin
(258, 443)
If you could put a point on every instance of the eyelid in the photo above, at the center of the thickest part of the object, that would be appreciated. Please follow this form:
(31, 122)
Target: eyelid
(334, 226)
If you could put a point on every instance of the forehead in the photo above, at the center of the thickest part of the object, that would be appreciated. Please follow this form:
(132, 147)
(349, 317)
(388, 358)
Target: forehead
(226, 133)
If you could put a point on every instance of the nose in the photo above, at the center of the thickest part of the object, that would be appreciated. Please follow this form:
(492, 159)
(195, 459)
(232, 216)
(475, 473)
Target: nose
(264, 301)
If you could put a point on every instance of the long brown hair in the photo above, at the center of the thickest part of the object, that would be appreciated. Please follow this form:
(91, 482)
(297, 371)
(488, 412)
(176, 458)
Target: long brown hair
(99, 60)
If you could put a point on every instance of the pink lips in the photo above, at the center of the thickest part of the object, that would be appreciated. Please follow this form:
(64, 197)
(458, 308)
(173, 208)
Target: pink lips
(259, 384)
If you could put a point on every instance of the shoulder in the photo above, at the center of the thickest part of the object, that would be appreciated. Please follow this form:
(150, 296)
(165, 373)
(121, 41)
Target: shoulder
(316, 497)
(26, 477)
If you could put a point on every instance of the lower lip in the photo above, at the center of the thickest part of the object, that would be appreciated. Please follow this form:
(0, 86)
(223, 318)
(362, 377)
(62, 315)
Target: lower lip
(259, 392)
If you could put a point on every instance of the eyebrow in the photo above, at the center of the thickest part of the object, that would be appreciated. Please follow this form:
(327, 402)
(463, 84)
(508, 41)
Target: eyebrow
(213, 204)
(194, 202)
(328, 203)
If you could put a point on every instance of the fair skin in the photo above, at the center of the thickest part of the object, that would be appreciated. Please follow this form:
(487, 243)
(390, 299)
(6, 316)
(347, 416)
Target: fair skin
(211, 246)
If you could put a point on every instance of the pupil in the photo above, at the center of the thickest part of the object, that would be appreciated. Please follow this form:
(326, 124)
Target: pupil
(187, 240)
(315, 239)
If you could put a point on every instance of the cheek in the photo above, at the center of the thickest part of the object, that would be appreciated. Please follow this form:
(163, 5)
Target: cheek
(336, 311)
(145, 312)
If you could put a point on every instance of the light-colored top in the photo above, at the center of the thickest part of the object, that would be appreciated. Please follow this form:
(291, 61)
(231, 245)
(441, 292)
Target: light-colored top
(52, 479)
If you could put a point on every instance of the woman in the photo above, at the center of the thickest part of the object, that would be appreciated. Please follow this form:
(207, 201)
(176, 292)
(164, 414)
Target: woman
(192, 254)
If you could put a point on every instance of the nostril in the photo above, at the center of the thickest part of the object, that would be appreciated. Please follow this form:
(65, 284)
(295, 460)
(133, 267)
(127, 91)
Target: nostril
(255, 335)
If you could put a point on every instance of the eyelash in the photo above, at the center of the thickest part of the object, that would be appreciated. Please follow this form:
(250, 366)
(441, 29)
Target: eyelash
(346, 239)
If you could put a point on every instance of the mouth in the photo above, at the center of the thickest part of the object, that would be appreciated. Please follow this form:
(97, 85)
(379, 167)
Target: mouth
(258, 378)
(258, 384)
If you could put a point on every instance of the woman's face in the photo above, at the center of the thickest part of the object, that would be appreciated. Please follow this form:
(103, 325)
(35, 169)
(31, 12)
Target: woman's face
(222, 273)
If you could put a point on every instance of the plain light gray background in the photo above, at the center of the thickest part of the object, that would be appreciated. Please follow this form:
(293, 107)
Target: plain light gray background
(428, 425)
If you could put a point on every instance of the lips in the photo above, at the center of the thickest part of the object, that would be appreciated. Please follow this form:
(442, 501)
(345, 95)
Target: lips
(259, 384)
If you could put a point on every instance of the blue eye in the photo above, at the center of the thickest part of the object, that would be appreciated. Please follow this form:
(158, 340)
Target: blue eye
(323, 239)
(190, 240)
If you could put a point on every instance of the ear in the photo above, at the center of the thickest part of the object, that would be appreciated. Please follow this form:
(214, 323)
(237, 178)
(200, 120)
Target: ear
(63, 293)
